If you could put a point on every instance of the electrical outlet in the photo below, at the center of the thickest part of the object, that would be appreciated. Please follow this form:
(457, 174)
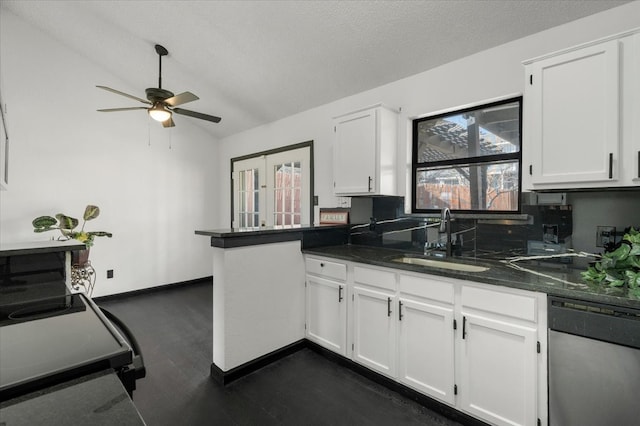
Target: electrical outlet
(109, 273)
(605, 235)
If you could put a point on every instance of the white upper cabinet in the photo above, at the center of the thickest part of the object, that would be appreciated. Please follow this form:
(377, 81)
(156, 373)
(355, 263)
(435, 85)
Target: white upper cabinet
(631, 109)
(577, 106)
(364, 152)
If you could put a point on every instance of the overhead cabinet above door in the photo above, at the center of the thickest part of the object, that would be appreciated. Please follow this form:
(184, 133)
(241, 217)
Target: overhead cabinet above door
(364, 152)
(578, 116)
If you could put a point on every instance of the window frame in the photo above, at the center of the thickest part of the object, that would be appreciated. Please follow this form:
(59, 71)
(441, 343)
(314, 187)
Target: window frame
(307, 144)
(466, 161)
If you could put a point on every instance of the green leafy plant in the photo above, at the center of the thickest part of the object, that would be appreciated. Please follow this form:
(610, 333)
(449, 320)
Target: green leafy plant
(67, 225)
(620, 267)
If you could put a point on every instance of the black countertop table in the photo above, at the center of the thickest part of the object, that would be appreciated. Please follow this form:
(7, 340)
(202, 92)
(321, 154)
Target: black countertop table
(96, 399)
(556, 280)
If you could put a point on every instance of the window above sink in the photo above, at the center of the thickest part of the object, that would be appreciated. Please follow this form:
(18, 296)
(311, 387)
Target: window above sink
(469, 159)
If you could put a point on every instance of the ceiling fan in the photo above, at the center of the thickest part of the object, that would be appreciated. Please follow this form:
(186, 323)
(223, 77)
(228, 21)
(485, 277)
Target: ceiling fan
(163, 102)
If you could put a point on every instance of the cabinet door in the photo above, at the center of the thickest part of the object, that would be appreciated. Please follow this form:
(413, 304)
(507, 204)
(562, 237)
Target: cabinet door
(374, 329)
(355, 153)
(426, 347)
(631, 109)
(327, 313)
(574, 114)
(498, 371)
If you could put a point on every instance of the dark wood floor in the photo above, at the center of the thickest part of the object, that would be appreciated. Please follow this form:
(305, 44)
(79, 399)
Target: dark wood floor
(174, 329)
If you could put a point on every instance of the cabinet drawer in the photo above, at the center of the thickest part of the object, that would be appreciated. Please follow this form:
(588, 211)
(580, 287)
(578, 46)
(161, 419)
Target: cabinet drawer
(523, 306)
(337, 271)
(427, 287)
(375, 277)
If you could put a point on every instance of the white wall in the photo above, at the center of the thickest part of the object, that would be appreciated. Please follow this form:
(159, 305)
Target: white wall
(152, 197)
(154, 186)
(489, 74)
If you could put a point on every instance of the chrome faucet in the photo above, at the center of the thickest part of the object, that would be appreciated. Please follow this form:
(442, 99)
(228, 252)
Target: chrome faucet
(445, 226)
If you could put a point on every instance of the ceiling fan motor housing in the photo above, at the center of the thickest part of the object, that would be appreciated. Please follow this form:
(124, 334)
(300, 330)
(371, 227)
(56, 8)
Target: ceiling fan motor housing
(155, 94)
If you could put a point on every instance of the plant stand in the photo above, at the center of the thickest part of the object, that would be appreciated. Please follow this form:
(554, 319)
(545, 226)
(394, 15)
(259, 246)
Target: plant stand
(83, 276)
(82, 273)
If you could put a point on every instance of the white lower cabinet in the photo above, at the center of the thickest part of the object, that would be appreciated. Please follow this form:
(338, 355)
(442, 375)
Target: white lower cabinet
(326, 300)
(498, 378)
(326, 318)
(374, 329)
(425, 349)
(498, 356)
(476, 347)
(426, 336)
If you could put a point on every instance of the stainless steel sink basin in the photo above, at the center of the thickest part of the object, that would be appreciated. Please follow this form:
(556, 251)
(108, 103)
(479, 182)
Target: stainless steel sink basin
(440, 264)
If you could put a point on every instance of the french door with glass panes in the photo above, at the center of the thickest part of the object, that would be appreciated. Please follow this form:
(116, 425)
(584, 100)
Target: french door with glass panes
(272, 189)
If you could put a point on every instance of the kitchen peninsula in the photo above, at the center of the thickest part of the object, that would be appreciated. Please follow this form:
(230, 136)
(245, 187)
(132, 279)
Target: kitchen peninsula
(258, 293)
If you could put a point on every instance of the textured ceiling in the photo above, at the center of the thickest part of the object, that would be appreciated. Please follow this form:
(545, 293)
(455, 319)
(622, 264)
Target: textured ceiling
(253, 62)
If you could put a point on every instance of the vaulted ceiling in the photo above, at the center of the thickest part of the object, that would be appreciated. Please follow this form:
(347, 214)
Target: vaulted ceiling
(253, 62)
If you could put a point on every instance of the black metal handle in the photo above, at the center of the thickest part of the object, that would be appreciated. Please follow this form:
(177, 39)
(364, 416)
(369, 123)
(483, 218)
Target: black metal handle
(638, 164)
(369, 184)
(611, 165)
(340, 288)
(388, 306)
(399, 310)
(464, 327)
(322, 265)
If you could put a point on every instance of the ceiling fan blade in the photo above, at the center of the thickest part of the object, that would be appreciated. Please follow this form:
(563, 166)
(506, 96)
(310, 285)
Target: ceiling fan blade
(121, 109)
(199, 115)
(168, 123)
(117, 92)
(181, 98)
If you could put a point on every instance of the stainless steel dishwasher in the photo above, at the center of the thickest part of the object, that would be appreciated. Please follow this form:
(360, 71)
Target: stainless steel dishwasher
(594, 364)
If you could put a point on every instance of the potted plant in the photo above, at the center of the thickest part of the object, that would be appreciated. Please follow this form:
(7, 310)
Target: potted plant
(619, 267)
(67, 226)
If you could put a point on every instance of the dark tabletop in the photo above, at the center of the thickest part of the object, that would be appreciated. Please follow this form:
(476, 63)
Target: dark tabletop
(96, 399)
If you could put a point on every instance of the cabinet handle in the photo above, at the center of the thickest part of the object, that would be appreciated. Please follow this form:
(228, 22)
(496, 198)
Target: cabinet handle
(369, 184)
(322, 265)
(464, 327)
(399, 310)
(340, 288)
(611, 165)
(638, 164)
(388, 306)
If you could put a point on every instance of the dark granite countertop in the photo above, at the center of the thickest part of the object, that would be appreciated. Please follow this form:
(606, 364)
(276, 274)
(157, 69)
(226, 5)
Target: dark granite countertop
(556, 280)
(240, 237)
(249, 232)
(38, 247)
(96, 399)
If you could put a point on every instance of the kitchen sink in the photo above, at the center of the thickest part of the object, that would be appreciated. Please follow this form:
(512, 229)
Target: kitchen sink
(440, 264)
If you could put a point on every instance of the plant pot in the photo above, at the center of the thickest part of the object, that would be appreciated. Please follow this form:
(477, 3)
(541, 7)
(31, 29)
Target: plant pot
(80, 258)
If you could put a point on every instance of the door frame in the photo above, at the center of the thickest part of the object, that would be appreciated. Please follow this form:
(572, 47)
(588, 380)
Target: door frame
(306, 144)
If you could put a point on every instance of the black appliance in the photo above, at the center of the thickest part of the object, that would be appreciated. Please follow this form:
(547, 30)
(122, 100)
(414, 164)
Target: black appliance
(53, 339)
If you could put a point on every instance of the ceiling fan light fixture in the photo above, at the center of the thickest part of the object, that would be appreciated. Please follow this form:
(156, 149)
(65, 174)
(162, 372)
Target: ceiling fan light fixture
(159, 113)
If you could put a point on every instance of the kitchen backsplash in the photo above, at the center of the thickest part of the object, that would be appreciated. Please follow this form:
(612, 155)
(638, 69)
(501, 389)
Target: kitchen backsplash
(379, 221)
